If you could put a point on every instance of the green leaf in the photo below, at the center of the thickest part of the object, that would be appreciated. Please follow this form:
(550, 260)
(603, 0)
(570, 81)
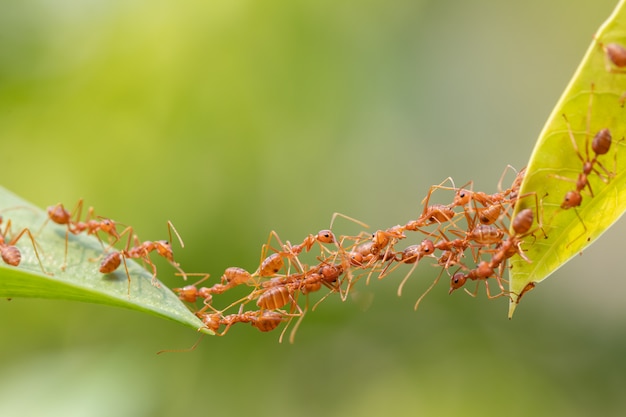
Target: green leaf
(81, 280)
(593, 100)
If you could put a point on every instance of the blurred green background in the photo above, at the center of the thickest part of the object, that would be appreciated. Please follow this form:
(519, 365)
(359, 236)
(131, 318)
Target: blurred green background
(233, 118)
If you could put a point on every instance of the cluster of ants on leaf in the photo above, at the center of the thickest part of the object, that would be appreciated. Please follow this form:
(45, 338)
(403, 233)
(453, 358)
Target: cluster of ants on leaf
(478, 251)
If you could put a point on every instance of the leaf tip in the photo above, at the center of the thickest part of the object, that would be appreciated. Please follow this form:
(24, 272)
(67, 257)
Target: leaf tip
(513, 305)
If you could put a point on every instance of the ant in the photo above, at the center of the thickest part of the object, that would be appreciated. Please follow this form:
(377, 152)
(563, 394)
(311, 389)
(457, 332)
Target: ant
(483, 271)
(431, 214)
(59, 215)
(142, 251)
(10, 254)
(232, 277)
(263, 320)
(494, 205)
(600, 145)
(273, 263)
(190, 293)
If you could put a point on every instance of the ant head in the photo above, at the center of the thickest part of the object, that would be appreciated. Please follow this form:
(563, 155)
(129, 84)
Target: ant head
(457, 281)
(426, 247)
(572, 199)
(164, 249)
(462, 197)
(380, 239)
(108, 226)
(325, 236)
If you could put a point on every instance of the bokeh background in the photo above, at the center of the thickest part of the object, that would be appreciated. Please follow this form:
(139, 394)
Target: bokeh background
(233, 118)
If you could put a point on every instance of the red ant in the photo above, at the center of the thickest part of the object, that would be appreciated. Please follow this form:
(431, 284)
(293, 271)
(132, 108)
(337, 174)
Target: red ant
(436, 213)
(600, 145)
(10, 254)
(273, 263)
(263, 320)
(142, 251)
(233, 276)
(59, 215)
(483, 271)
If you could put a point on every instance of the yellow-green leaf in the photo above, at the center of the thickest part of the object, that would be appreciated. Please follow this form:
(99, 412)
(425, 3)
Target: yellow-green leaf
(81, 280)
(593, 100)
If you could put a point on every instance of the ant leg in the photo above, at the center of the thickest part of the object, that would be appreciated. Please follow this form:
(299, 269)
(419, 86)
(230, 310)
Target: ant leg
(501, 294)
(127, 273)
(508, 167)
(154, 281)
(538, 211)
(189, 349)
(204, 276)
(171, 227)
(129, 231)
(353, 220)
(300, 314)
(419, 300)
(34, 243)
(78, 211)
(436, 187)
(292, 334)
(570, 133)
(270, 265)
(584, 229)
(475, 293)
(406, 278)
